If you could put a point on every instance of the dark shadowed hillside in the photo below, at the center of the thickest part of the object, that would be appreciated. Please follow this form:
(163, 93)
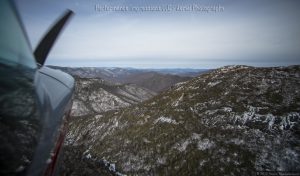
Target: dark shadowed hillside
(154, 81)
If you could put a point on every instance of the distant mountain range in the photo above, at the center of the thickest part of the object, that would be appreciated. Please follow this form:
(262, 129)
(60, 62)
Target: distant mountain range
(153, 79)
(235, 120)
(110, 72)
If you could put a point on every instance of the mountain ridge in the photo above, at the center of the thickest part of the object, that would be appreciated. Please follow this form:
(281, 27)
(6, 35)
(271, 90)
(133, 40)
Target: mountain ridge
(234, 120)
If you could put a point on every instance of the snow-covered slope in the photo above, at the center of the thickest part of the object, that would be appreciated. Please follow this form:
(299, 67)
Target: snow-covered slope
(231, 121)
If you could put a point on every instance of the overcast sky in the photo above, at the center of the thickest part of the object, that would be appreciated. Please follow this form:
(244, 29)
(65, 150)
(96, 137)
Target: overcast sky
(256, 32)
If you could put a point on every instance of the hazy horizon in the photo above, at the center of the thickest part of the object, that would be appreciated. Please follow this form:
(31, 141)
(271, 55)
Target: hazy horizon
(163, 68)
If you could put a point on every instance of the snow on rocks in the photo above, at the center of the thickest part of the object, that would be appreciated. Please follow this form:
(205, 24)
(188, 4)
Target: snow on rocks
(176, 103)
(163, 119)
(202, 144)
(98, 116)
(78, 108)
(205, 144)
(212, 84)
